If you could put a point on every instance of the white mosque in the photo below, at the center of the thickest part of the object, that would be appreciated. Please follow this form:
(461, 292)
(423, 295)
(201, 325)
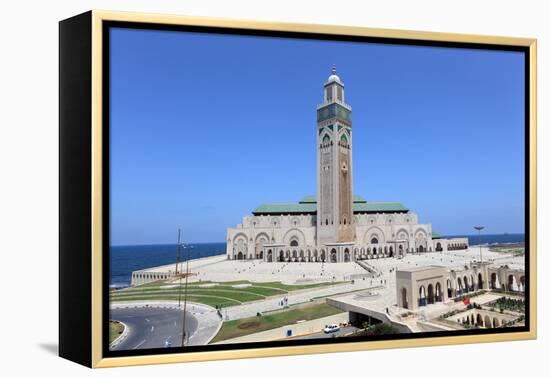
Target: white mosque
(334, 226)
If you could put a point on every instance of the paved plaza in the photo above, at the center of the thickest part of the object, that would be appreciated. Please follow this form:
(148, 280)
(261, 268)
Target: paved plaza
(367, 286)
(375, 291)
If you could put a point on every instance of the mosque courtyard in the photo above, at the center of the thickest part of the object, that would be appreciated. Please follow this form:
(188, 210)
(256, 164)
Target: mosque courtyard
(239, 290)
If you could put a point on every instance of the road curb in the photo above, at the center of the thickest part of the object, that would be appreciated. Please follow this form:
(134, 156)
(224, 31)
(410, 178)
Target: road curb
(220, 325)
(119, 339)
(162, 304)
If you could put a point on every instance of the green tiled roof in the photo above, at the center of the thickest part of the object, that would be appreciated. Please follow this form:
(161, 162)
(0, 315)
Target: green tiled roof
(435, 235)
(308, 205)
(378, 207)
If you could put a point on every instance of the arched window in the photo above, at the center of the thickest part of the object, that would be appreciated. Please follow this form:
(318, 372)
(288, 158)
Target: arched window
(374, 240)
(326, 139)
(294, 243)
(343, 140)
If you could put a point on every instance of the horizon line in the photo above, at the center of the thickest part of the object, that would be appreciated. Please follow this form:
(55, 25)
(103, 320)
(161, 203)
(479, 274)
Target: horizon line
(224, 242)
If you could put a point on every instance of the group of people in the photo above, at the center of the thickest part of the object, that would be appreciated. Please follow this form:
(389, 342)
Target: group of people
(283, 302)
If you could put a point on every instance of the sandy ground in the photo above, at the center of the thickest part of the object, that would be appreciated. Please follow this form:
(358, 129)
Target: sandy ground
(218, 268)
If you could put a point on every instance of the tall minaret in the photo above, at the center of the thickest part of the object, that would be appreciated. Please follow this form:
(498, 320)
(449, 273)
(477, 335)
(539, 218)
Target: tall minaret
(335, 221)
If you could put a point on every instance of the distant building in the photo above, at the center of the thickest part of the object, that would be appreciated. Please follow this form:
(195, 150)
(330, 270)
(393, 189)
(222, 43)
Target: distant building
(335, 225)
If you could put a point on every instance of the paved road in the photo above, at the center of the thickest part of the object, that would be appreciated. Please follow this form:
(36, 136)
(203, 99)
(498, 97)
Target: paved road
(152, 327)
(321, 335)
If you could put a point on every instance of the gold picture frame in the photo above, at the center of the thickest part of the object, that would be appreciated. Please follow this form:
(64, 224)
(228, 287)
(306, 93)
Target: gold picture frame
(93, 27)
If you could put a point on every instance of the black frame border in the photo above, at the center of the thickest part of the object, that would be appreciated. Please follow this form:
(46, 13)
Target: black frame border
(107, 25)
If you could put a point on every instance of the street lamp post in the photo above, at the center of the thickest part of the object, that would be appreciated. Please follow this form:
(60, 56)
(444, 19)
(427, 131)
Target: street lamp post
(178, 257)
(188, 247)
(479, 228)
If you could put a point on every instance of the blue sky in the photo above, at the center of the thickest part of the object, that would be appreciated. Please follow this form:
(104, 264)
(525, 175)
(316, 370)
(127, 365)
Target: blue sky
(204, 128)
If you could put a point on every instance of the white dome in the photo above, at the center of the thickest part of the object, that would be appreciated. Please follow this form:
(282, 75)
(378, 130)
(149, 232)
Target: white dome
(333, 76)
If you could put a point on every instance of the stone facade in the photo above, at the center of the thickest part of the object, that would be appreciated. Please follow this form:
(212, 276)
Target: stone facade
(375, 235)
(417, 287)
(506, 279)
(421, 286)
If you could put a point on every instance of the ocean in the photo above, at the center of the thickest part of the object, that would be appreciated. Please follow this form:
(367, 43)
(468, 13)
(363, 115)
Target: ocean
(491, 239)
(127, 258)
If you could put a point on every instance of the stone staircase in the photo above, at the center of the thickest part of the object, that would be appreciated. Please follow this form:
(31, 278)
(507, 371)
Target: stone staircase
(369, 268)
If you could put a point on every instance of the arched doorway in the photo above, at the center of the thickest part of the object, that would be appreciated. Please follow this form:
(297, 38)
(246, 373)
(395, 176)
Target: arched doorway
(458, 286)
(421, 248)
(449, 289)
(438, 294)
(346, 255)
(493, 282)
(466, 286)
(400, 250)
(269, 256)
(479, 320)
(261, 255)
(522, 283)
(438, 247)
(511, 280)
(323, 256)
(240, 256)
(391, 251)
(404, 300)
(431, 296)
(422, 296)
(281, 256)
(479, 281)
(333, 257)
(496, 323)
(488, 323)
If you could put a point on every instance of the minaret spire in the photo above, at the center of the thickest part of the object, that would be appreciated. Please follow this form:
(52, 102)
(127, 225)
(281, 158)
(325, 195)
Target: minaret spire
(335, 222)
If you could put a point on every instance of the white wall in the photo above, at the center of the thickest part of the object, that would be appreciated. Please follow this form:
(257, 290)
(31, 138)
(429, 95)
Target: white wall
(28, 193)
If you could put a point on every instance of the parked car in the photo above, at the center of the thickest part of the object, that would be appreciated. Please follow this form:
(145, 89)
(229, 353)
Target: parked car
(331, 328)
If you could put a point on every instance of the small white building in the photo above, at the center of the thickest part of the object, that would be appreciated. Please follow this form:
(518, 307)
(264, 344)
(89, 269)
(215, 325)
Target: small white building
(421, 286)
(335, 225)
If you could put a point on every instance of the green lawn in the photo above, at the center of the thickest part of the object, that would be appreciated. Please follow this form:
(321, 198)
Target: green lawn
(242, 327)
(221, 295)
(254, 290)
(115, 330)
(210, 301)
(239, 296)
